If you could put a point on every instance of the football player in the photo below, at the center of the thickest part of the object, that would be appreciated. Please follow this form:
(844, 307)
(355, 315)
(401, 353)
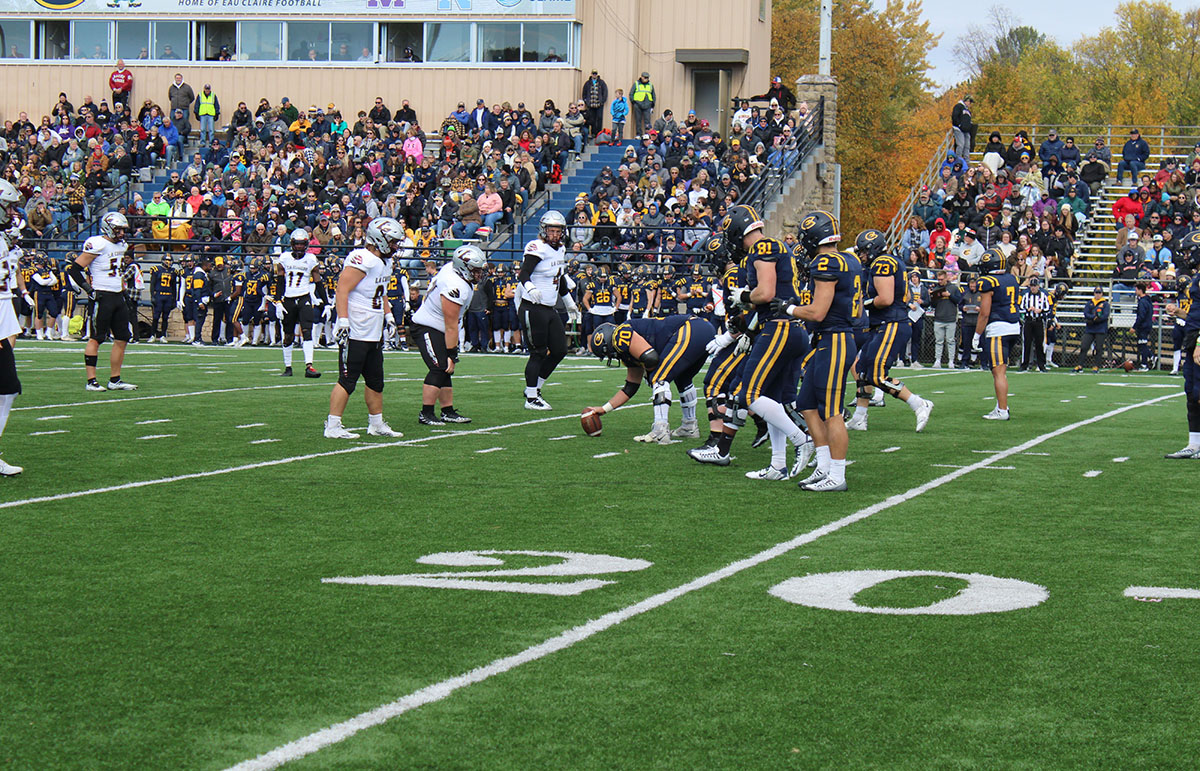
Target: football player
(435, 330)
(45, 295)
(543, 281)
(1189, 364)
(364, 322)
(837, 298)
(999, 325)
(331, 270)
(200, 288)
(886, 304)
(503, 288)
(101, 257)
(397, 293)
(187, 303)
(164, 289)
(10, 283)
(300, 275)
(670, 351)
(1184, 302)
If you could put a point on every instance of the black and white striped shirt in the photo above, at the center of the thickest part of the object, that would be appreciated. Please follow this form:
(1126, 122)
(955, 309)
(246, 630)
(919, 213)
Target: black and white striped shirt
(1036, 305)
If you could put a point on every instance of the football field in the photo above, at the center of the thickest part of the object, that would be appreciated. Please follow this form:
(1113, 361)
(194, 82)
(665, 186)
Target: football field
(193, 577)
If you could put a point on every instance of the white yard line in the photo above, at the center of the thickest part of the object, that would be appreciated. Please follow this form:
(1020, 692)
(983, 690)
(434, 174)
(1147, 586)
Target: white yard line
(490, 449)
(157, 436)
(48, 433)
(55, 417)
(995, 468)
(264, 441)
(560, 438)
(251, 425)
(285, 461)
(341, 731)
(890, 449)
(606, 455)
(1121, 459)
(1163, 593)
(1092, 474)
(144, 422)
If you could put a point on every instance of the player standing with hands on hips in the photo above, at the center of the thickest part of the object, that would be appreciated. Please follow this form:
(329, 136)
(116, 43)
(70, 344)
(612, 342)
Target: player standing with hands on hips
(543, 279)
(102, 256)
(364, 321)
(10, 282)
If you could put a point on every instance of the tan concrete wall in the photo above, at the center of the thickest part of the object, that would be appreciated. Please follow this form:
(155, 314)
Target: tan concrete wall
(620, 41)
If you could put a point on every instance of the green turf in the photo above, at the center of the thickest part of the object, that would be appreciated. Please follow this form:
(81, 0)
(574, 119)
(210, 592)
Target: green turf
(184, 624)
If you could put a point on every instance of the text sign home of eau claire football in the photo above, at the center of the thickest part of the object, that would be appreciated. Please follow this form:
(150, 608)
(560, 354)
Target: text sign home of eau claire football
(185, 9)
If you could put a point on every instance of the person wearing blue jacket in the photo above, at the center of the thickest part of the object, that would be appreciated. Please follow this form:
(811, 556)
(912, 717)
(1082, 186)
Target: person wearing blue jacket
(619, 110)
(1095, 330)
(1134, 155)
(1143, 326)
(1052, 147)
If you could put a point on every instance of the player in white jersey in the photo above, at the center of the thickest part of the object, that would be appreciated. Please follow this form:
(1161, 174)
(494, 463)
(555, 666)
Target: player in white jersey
(302, 288)
(542, 277)
(364, 321)
(10, 281)
(102, 257)
(435, 330)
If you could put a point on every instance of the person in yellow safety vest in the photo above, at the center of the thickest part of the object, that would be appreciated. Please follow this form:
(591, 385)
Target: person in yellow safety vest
(642, 96)
(207, 110)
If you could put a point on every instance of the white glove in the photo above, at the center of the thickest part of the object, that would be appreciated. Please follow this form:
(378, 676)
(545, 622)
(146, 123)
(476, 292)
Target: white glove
(532, 293)
(741, 296)
(279, 309)
(341, 330)
(719, 343)
(317, 302)
(328, 312)
(743, 344)
(178, 306)
(975, 346)
(389, 327)
(28, 298)
(204, 300)
(569, 303)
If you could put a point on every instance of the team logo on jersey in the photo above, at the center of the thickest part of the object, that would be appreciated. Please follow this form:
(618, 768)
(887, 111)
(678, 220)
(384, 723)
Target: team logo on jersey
(453, 294)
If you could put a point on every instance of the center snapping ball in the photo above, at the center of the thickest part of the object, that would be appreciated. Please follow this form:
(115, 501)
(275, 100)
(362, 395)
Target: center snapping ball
(591, 423)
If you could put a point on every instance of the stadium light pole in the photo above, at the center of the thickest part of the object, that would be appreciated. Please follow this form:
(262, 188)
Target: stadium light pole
(824, 54)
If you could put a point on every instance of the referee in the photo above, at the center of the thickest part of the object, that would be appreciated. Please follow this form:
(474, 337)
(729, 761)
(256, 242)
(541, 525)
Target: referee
(1036, 306)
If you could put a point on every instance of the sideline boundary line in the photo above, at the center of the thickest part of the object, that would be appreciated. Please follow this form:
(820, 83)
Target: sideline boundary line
(338, 732)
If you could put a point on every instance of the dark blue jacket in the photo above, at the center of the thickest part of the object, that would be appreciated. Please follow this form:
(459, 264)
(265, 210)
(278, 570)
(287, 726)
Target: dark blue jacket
(1136, 150)
(1143, 322)
(1096, 315)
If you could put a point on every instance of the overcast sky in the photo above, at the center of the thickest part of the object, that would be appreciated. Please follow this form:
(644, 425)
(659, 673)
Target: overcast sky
(1064, 20)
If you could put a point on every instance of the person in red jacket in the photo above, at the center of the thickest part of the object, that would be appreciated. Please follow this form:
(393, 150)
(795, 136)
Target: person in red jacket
(940, 230)
(1128, 205)
(121, 84)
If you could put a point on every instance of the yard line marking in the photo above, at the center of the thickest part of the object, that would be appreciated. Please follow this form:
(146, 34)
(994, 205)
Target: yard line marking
(992, 452)
(1137, 385)
(595, 381)
(264, 441)
(1121, 459)
(55, 417)
(606, 455)
(157, 436)
(251, 425)
(338, 732)
(1065, 401)
(951, 465)
(490, 449)
(296, 458)
(890, 449)
(144, 422)
(1163, 593)
(560, 438)
(1092, 474)
(48, 433)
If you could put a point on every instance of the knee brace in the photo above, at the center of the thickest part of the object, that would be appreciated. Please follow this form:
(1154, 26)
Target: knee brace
(687, 397)
(662, 392)
(347, 384)
(891, 386)
(863, 388)
(711, 404)
(796, 417)
(90, 360)
(735, 418)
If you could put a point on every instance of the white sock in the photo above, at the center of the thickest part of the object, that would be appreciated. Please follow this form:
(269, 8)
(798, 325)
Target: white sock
(6, 402)
(860, 411)
(775, 415)
(779, 445)
(541, 382)
(662, 412)
(333, 420)
(1175, 358)
(1193, 436)
(307, 345)
(837, 470)
(915, 402)
(530, 392)
(507, 337)
(287, 355)
(1049, 348)
(823, 459)
(376, 420)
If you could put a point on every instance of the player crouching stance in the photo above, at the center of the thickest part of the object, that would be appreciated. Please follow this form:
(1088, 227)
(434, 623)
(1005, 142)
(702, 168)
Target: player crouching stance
(636, 344)
(364, 321)
(890, 332)
(102, 256)
(435, 330)
(1189, 363)
(999, 323)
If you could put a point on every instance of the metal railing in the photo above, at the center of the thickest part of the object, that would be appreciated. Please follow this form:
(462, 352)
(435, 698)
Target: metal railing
(773, 178)
(1164, 141)
(903, 212)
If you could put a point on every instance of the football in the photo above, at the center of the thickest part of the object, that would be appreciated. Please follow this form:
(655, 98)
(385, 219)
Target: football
(591, 423)
(1128, 365)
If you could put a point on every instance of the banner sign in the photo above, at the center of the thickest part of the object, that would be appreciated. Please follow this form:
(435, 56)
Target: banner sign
(233, 8)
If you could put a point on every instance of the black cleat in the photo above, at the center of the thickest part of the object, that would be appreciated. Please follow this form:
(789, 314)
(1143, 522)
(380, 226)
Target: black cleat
(761, 435)
(310, 372)
(429, 420)
(287, 372)
(451, 416)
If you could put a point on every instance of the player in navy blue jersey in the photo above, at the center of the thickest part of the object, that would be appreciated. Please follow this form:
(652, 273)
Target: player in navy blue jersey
(999, 325)
(1189, 364)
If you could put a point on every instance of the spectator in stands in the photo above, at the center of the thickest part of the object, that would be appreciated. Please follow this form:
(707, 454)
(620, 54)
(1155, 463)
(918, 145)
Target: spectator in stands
(926, 208)
(575, 123)
(1070, 153)
(1095, 332)
(1158, 257)
(1018, 147)
(468, 217)
(914, 235)
(1093, 172)
(946, 298)
(1134, 155)
(643, 97)
(918, 300)
(120, 82)
(963, 126)
(619, 111)
(1051, 148)
(1129, 265)
(180, 94)
(1059, 250)
(967, 251)
(1130, 204)
(207, 110)
(595, 96)
(1102, 152)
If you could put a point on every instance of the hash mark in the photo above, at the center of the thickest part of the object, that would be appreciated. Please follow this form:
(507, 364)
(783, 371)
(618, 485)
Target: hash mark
(48, 433)
(252, 425)
(263, 441)
(606, 455)
(55, 417)
(560, 438)
(490, 449)
(148, 422)
(890, 449)
(1092, 474)
(156, 436)
(1120, 460)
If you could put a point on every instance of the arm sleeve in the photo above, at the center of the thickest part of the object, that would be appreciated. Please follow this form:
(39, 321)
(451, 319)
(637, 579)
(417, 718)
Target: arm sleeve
(527, 265)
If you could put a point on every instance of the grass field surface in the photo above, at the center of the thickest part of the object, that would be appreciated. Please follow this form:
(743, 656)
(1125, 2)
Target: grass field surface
(514, 594)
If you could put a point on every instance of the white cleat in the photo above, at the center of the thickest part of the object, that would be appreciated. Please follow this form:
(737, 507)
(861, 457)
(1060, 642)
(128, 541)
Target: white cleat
(804, 454)
(239, 342)
(338, 431)
(536, 403)
(93, 387)
(659, 434)
(121, 385)
(815, 477)
(687, 431)
(710, 455)
(923, 413)
(996, 414)
(857, 423)
(770, 473)
(9, 470)
(383, 430)
(877, 399)
(1187, 453)
(824, 485)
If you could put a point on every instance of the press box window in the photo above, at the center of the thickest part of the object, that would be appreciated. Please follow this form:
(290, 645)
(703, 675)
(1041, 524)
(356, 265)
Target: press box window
(15, 38)
(395, 37)
(448, 42)
(89, 40)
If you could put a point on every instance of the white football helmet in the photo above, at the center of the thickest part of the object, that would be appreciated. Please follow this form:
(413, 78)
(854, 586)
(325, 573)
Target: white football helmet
(385, 234)
(551, 219)
(9, 197)
(469, 262)
(110, 223)
(12, 233)
(299, 242)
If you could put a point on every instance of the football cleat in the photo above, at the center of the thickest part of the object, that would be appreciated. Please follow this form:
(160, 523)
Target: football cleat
(659, 434)
(824, 485)
(877, 399)
(857, 423)
(383, 430)
(429, 420)
(761, 434)
(923, 413)
(687, 431)
(536, 403)
(287, 372)
(996, 414)
(90, 386)
(339, 432)
(310, 372)
(451, 416)
(9, 470)
(770, 473)
(121, 385)
(804, 454)
(711, 455)
(1187, 453)
(816, 476)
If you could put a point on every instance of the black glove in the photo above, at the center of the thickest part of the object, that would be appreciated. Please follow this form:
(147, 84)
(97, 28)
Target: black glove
(452, 354)
(780, 308)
